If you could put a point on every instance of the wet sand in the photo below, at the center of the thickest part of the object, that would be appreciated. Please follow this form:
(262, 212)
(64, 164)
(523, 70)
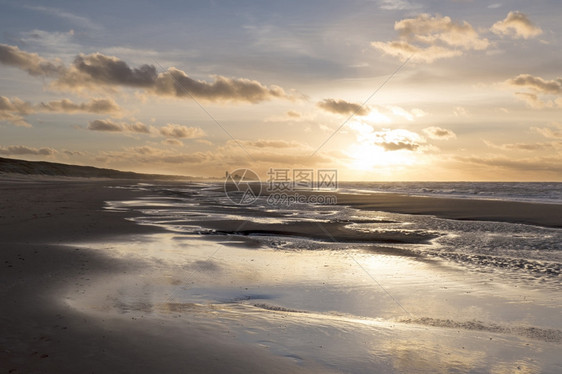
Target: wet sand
(85, 289)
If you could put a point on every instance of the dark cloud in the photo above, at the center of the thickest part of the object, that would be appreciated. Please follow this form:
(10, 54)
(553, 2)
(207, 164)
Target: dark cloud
(538, 84)
(398, 146)
(99, 69)
(104, 125)
(435, 132)
(263, 143)
(137, 127)
(111, 126)
(96, 71)
(180, 131)
(93, 106)
(73, 153)
(524, 146)
(343, 107)
(177, 83)
(543, 93)
(20, 150)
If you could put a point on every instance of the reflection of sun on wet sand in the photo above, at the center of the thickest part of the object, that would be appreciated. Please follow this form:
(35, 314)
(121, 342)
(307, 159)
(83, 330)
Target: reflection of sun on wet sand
(261, 291)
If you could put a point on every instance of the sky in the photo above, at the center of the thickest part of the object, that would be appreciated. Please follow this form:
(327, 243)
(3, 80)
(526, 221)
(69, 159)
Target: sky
(379, 90)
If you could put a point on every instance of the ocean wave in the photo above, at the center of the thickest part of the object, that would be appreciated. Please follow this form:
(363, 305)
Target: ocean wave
(542, 192)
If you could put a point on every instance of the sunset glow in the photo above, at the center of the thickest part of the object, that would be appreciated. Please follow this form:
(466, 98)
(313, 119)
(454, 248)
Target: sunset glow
(469, 91)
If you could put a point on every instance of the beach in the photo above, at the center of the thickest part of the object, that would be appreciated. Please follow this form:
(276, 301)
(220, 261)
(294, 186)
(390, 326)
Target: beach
(105, 275)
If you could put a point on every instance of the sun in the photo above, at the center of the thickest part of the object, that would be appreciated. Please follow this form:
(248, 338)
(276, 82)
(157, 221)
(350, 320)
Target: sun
(368, 157)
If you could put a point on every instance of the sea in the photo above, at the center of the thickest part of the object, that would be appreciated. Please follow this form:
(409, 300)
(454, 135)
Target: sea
(540, 192)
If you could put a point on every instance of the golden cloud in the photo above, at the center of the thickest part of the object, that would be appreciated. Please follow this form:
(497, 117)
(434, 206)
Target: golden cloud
(516, 25)
(428, 38)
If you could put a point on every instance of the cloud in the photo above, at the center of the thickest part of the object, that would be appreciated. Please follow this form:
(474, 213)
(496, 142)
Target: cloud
(543, 93)
(343, 107)
(20, 150)
(403, 50)
(388, 139)
(180, 131)
(172, 141)
(434, 132)
(73, 153)
(293, 117)
(55, 42)
(516, 25)
(269, 143)
(533, 100)
(15, 105)
(31, 63)
(428, 38)
(397, 146)
(95, 71)
(549, 132)
(266, 153)
(409, 115)
(228, 156)
(170, 131)
(177, 83)
(106, 70)
(537, 164)
(93, 106)
(524, 146)
(137, 127)
(62, 14)
(13, 110)
(398, 5)
(538, 84)
(106, 125)
(460, 111)
(152, 155)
